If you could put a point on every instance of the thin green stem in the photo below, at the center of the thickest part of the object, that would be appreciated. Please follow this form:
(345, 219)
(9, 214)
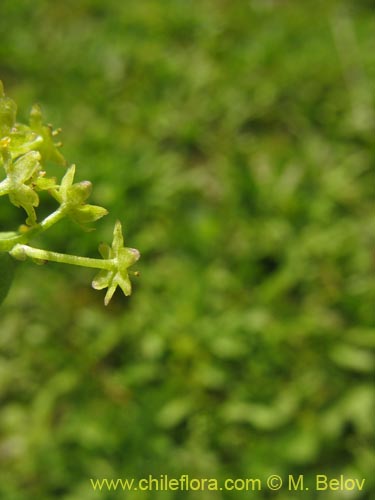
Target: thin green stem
(52, 219)
(8, 243)
(23, 251)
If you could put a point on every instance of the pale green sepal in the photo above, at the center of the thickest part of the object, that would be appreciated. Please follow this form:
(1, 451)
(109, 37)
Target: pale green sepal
(101, 280)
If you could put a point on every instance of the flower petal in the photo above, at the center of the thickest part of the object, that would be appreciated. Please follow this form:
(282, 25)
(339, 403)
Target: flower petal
(102, 279)
(109, 294)
(87, 213)
(25, 167)
(124, 283)
(105, 251)
(67, 181)
(118, 240)
(126, 257)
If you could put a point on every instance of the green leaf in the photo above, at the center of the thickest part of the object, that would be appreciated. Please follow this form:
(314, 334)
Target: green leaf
(7, 268)
(175, 411)
(353, 358)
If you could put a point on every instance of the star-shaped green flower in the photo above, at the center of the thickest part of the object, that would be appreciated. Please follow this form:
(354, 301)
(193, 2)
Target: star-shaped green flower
(48, 148)
(72, 198)
(24, 177)
(8, 112)
(23, 138)
(121, 258)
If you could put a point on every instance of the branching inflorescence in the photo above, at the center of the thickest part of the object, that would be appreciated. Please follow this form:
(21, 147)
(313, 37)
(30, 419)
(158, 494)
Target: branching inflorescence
(24, 153)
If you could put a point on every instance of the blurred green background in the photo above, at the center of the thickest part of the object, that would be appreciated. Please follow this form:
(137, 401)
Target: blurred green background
(234, 140)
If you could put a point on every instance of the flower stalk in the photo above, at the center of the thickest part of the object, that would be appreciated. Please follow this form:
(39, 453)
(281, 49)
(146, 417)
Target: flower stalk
(20, 252)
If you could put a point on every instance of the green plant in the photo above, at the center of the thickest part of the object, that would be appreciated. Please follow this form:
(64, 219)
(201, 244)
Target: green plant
(24, 153)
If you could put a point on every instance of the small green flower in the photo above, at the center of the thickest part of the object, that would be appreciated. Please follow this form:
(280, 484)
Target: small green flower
(48, 148)
(24, 177)
(122, 258)
(72, 199)
(22, 140)
(8, 111)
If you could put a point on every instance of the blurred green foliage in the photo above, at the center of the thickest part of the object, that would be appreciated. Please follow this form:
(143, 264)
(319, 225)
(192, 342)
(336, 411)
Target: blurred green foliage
(234, 141)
